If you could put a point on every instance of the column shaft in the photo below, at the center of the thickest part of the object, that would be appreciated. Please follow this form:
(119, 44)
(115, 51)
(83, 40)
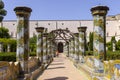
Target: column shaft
(23, 14)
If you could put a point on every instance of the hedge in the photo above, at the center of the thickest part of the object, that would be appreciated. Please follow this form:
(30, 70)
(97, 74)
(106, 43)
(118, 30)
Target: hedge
(109, 54)
(11, 56)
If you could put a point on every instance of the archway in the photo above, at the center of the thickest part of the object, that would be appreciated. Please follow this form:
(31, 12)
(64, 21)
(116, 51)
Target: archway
(60, 47)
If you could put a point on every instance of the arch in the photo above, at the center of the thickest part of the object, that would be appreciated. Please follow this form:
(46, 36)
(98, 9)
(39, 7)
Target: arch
(60, 47)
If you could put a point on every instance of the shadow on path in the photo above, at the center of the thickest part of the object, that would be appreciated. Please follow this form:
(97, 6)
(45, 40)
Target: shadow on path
(58, 78)
(55, 68)
(57, 64)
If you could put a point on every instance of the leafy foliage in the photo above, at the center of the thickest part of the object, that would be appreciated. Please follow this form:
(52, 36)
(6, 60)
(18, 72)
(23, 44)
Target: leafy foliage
(11, 56)
(110, 55)
(118, 45)
(4, 32)
(90, 44)
(33, 42)
(7, 42)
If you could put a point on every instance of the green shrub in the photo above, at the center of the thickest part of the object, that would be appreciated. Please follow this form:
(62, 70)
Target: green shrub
(32, 53)
(110, 55)
(89, 53)
(8, 56)
(11, 56)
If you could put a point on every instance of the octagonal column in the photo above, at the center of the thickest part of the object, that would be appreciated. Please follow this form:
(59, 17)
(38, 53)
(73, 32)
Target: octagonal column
(39, 42)
(23, 14)
(76, 46)
(72, 42)
(70, 49)
(50, 48)
(1, 47)
(45, 47)
(82, 41)
(114, 46)
(99, 32)
(8, 48)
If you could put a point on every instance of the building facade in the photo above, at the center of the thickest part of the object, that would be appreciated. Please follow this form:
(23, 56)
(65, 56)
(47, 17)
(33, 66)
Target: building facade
(112, 26)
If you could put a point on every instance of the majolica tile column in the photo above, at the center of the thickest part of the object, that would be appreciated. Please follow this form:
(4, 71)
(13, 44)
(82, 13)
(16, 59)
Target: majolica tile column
(82, 41)
(23, 14)
(50, 49)
(68, 48)
(39, 42)
(114, 45)
(8, 48)
(99, 40)
(45, 47)
(1, 47)
(72, 43)
(77, 46)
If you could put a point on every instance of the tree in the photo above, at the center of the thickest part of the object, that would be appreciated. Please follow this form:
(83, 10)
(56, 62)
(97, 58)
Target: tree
(33, 42)
(90, 41)
(3, 12)
(4, 33)
(118, 45)
(113, 40)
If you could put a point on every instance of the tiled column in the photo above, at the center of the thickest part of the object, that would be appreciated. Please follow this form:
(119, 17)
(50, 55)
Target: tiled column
(45, 47)
(8, 48)
(68, 48)
(39, 42)
(114, 45)
(99, 32)
(70, 51)
(50, 49)
(76, 46)
(72, 43)
(23, 14)
(82, 42)
(1, 47)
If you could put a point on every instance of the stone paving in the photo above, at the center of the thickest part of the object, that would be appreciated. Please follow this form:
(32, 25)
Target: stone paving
(62, 69)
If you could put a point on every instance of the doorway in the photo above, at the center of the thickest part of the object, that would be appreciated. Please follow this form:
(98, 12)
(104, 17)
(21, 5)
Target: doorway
(60, 47)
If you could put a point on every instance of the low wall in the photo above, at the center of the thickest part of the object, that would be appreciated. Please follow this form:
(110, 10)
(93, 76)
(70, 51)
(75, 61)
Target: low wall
(10, 70)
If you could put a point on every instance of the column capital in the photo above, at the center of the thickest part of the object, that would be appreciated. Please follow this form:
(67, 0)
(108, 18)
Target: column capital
(82, 29)
(45, 34)
(76, 34)
(40, 29)
(99, 10)
(22, 11)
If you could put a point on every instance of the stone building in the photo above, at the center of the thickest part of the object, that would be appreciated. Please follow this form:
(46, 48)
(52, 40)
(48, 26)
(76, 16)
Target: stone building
(112, 26)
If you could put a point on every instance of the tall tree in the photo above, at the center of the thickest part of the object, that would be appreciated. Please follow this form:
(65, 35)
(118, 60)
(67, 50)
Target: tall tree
(91, 41)
(3, 12)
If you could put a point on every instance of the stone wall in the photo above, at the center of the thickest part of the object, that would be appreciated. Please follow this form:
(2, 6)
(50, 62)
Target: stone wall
(10, 70)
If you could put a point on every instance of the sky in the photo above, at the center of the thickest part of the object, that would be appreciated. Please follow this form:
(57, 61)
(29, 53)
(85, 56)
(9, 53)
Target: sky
(60, 9)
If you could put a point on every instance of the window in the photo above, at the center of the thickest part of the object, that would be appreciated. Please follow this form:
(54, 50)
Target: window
(107, 34)
(62, 23)
(115, 33)
(48, 23)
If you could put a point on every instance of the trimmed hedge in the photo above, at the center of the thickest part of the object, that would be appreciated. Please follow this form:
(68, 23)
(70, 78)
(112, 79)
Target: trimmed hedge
(109, 54)
(8, 56)
(11, 56)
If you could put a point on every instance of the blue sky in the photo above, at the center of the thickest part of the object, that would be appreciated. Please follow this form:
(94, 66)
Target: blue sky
(60, 9)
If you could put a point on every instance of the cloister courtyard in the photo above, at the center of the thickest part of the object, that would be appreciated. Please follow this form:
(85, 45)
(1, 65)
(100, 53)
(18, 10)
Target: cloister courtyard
(58, 53)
